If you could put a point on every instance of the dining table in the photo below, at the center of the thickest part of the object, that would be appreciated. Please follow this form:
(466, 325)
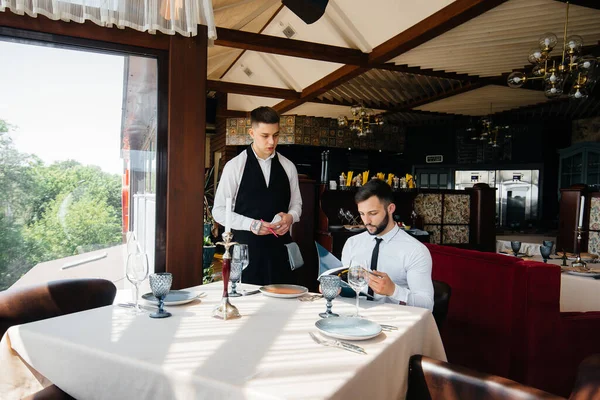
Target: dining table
(267, 353)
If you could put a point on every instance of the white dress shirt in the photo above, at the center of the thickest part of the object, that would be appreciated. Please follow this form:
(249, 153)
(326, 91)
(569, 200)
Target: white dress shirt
(406, 260)
(230, 183)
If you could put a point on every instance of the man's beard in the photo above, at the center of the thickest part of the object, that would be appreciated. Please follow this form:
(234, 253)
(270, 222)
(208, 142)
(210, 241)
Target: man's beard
(381, 227)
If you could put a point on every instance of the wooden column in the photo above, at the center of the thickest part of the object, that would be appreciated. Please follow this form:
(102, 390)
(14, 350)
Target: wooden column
(186, 144)
(483, 218)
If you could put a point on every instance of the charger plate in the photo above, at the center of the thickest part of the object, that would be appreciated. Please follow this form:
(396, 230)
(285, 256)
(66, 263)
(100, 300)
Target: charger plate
(283, 291)
(348, 328)
(175, 297)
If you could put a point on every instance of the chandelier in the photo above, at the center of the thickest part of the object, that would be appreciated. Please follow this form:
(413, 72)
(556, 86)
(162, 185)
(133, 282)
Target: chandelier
(361, 121)
(573, 72)
(486, 130)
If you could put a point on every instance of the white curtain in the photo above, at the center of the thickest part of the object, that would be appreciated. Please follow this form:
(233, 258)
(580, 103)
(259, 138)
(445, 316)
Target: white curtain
(166, 16)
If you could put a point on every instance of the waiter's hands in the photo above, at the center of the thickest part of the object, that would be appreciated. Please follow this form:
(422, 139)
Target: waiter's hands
(283, 225)
(261, 228)
(381, 283)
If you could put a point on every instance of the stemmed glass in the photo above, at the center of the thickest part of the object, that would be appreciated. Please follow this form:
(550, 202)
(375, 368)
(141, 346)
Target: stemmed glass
(137, 271)
(358, 279)
(545, 251)
(235, 273)
(132, 246)
(160, 283)
(330, 287)
(240, 253)
(515, 245)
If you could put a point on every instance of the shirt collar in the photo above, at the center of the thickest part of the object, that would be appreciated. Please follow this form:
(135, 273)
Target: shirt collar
(388, 236)
(260, 159)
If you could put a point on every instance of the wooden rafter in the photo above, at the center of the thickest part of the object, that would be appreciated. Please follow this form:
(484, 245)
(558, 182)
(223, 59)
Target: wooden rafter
(289, 47)
(252, 90)
(456, 13)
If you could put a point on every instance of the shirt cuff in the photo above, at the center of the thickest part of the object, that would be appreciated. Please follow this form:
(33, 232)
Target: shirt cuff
(246, 223)
(400, 295)
(294, 215)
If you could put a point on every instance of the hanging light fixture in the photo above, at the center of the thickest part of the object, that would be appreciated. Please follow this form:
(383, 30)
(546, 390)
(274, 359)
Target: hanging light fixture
(486, 130)
(362, 120)
(574, 72)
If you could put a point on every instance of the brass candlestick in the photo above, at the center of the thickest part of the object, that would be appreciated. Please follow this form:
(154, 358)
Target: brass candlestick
(578, 262)
(225, 310)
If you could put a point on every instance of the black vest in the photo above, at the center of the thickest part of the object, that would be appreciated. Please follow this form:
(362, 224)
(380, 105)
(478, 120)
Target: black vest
(268, 254)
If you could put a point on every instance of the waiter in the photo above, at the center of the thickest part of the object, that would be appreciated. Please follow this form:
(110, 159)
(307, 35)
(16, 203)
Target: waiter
(262, 184)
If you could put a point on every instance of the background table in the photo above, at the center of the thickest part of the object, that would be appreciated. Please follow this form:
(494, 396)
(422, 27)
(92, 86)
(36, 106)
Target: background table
(108, 353)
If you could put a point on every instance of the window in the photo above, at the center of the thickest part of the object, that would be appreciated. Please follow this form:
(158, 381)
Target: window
(78, 170)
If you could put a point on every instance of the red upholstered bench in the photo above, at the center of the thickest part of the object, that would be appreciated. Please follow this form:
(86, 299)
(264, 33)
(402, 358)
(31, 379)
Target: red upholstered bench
(504, 319)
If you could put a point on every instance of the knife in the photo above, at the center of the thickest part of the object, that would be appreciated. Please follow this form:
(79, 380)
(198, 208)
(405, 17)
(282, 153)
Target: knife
(250, 292)
(350, 347)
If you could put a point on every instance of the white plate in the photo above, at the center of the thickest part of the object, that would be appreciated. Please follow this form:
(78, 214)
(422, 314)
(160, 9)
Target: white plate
(175, 297)
(283, 291)
(586, 274)
(348, 328)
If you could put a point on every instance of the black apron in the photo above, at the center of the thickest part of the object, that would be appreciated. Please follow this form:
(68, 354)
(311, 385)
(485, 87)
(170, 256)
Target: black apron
(269, 261)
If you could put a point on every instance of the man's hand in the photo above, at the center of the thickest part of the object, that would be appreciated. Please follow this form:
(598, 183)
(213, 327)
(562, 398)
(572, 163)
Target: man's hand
(261, 228)
(381, 283)
(283, 225)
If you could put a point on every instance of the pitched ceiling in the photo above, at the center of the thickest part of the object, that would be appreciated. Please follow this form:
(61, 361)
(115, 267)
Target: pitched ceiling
(443, 55)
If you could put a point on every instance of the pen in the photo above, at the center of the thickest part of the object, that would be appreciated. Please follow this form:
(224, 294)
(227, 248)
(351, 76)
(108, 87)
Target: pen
(272, 231)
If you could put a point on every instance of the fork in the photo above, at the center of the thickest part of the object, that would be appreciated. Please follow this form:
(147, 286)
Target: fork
(336, 343)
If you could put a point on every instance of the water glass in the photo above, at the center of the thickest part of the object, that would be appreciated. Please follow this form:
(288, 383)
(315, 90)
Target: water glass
(136, 272)
(330, 287)
(160, 284)
(515, 245)
(548, 243)
(240, 255)
(358, 279)
(545, 251)
(235, 274)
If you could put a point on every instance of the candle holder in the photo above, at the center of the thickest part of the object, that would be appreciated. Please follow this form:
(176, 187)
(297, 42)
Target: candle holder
(578, 262)
(225, 310)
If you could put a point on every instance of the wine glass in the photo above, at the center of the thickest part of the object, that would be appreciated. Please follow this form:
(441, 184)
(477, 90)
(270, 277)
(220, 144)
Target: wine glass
(160, 283)
(131, 241)
(240, 252)
(136, 271)
(545, 251)
(330, 287)
(358, 279)
(548, 243)
(235, 273)
(515, 245)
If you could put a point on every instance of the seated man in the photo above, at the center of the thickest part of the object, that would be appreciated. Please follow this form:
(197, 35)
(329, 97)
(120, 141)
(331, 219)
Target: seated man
(401, 264)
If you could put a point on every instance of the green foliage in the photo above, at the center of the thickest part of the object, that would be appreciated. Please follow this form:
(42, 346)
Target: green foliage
(207, 241)
(51, 212)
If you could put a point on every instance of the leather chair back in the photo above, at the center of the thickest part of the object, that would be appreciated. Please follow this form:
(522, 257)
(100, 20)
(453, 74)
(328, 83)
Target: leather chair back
(441, 301)
(34, 303)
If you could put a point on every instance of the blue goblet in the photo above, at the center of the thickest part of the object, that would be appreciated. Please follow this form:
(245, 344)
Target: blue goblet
(548, 243)
(160, 284)
(515, 245)
(330, 287)
(545, 251)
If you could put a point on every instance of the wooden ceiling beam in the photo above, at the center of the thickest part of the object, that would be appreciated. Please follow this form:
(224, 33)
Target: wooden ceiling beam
(425, 72)
(252, 90)
(584, 3)
(289, 47)
(454, 14)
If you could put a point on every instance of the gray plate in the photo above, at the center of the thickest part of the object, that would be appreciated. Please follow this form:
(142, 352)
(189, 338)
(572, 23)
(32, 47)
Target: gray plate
(174, 297)
(586, 274)
(283, 291)
(348, 328)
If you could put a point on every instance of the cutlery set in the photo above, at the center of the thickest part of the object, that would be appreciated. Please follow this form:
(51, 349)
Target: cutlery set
(336, 343)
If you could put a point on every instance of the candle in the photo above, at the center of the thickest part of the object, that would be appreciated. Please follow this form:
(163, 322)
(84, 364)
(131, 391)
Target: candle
(228, 210)
(581, 210)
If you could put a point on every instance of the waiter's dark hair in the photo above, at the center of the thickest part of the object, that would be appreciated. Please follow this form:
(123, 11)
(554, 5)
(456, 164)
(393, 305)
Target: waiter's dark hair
(375, 187)
(266, 115)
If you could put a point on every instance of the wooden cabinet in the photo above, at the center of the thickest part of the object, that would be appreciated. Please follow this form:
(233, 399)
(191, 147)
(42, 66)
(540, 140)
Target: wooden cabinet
(579, 164)
(570, 203)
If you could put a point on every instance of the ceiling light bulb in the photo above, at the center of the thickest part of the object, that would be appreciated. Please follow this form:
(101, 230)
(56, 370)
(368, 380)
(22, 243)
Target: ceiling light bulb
(516, 79)
(575, 43)
(548, 41)
(535, 56)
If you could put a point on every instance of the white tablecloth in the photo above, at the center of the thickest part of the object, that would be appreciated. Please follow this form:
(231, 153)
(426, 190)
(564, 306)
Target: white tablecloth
(107, 353)
(577, 293)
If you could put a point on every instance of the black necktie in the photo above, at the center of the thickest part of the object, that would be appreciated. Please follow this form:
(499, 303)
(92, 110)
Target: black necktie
(374, 258)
